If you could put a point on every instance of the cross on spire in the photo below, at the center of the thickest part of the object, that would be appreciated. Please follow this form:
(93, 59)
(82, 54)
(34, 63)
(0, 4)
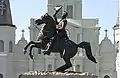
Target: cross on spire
(2, 7)
(23, 33)
(106, 32)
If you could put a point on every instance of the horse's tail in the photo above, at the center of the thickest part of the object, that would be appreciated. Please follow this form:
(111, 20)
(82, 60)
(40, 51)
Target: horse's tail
(87, 47)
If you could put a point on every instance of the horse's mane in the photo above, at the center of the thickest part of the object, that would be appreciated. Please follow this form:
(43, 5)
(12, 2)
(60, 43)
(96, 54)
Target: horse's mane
(52, 18)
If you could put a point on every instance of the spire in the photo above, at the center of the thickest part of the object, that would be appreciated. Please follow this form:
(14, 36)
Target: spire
(106, 32)
(117, 25)
(118, 17)
(23, 38)
(23, 33)
(5, 13)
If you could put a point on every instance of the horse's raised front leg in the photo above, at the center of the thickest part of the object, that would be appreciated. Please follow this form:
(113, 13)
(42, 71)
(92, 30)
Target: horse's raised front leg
(31, 42)
(66, 66)
(26, 46)
(31, 47)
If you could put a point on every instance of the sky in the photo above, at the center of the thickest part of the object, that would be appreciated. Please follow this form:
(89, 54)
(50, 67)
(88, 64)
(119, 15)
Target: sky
(105, 10)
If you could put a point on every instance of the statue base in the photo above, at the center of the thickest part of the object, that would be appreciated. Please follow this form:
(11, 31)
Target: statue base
(54, 74)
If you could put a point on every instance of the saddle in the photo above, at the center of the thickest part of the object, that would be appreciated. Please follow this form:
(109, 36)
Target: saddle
(50, 42)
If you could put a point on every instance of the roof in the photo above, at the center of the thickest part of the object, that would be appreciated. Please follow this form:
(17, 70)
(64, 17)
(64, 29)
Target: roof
(5, 14)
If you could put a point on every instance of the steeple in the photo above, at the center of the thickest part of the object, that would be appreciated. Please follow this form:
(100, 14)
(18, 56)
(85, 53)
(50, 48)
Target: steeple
(23, 38)
(117, 25)
(5, 13)
(118, 18)
(106, 32)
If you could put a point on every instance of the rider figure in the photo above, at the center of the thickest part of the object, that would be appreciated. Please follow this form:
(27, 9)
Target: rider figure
(60, 27)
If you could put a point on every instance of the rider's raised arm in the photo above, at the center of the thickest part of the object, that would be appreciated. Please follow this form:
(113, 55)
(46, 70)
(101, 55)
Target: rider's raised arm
(55, 18)
(56, 9)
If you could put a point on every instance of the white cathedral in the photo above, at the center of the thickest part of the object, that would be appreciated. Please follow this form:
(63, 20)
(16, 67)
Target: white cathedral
(13, 62)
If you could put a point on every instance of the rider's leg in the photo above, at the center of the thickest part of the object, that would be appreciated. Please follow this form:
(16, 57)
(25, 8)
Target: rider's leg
(48, 51)
(67, 39)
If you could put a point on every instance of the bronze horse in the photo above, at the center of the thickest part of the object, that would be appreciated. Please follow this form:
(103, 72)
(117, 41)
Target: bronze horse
(60, 44)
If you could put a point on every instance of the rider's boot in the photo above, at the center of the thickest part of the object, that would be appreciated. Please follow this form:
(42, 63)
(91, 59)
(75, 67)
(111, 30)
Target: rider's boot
(48, 51)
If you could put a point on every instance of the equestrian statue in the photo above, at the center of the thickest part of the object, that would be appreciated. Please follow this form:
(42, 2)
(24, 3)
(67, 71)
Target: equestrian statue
(53, 38)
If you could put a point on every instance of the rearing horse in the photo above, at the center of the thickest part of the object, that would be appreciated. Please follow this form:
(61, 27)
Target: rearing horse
(60, 44)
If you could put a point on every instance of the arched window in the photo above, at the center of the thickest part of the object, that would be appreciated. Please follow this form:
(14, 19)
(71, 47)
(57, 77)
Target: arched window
(106, 76)
(10, 47)
(1, 46)
(117, 46)
(70, 11)
(1, 75)
(77, 68)
(49, 67)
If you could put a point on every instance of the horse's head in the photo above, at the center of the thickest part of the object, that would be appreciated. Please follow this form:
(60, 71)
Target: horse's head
(46, 18)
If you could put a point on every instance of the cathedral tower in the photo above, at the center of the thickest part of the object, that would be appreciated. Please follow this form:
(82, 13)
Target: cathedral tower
(117, 41)
(7, 39)
(73, 7)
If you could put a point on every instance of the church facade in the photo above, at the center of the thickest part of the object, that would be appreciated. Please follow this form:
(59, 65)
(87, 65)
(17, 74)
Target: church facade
(14, 62)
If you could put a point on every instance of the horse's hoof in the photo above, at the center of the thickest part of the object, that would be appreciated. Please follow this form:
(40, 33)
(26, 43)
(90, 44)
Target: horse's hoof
(24, 52)
(59, 70)
(31, 56)
(61, 55)
(46, 52)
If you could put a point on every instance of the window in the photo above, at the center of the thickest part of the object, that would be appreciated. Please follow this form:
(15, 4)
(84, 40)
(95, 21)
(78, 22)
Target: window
(78, 38)
(1, 46)
(50, 1)
(106, 76)
(77, 68)
(70, 11)
(117, 51)
(58, 15)
(1, 76)
(117, 44)
(39, 51)
(49, 67)
(10, 47)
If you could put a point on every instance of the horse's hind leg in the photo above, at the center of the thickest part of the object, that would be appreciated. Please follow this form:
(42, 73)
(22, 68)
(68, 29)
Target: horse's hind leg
(66, 66)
